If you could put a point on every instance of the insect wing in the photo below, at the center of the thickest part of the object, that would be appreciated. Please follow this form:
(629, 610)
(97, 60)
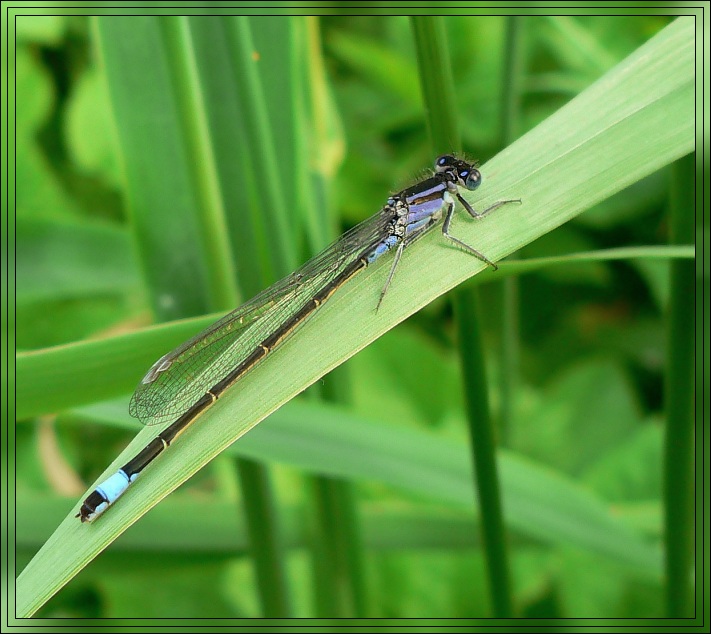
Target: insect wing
(178, 379)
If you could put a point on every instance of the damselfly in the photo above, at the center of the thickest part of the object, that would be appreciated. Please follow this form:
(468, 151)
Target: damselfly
(183, 383)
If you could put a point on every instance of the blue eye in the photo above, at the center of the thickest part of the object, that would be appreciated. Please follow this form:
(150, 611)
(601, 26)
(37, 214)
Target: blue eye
(463, 174)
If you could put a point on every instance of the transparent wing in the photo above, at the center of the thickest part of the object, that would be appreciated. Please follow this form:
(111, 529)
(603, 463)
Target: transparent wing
(178, 379)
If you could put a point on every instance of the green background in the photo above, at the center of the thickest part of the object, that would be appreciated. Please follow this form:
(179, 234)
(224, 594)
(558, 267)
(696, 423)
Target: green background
(161, 176)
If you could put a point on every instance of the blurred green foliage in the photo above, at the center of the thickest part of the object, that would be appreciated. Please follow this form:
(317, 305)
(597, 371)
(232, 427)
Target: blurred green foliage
(591, 334)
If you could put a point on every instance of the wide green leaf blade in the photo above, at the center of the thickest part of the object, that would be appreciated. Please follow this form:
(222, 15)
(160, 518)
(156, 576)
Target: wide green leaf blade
(54, 379)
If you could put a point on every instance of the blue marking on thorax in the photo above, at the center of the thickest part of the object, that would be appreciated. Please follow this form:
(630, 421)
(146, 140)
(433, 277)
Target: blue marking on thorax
(424, 209)
(412, 195)
(424, 202)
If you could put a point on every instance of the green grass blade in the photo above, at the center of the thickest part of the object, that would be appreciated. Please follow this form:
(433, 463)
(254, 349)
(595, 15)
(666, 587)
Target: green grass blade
(265, 539)
(258, 72)
(54, 379)
(238, 183)
(261, 141)
(254, 70)
(541, 505)
(482, 438)
(339, 586)
(159, 126)
(636, 119)
(96, 259)
(191, 101)
(511, 93)
(171, 38)
(437, 84)
(438, 90)
(679, 401)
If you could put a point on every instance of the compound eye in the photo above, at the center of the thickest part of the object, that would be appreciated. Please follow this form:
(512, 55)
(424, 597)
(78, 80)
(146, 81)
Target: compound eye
(443, 162)
(472, 180)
